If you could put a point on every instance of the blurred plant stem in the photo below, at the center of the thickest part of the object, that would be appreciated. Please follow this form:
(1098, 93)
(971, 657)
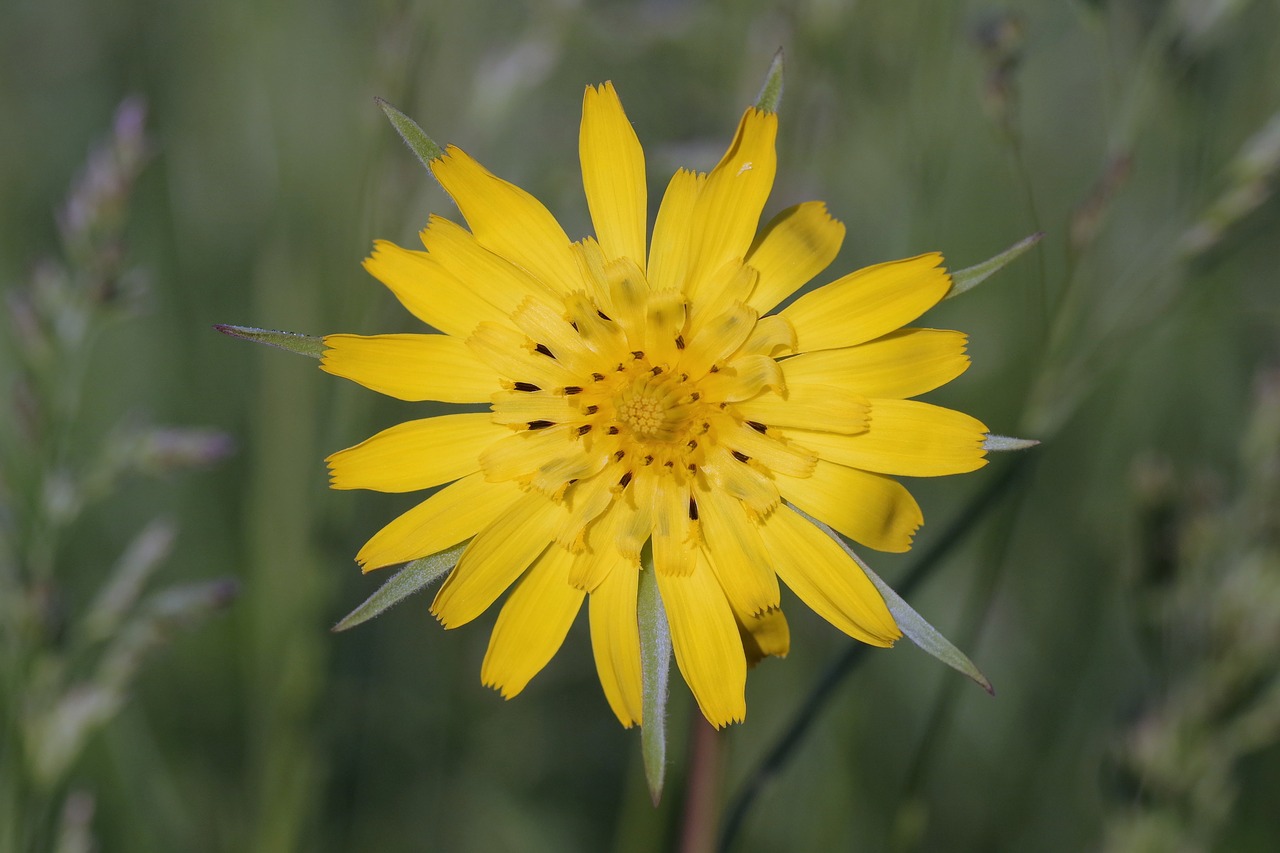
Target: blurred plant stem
(702, 786)
(66, 672)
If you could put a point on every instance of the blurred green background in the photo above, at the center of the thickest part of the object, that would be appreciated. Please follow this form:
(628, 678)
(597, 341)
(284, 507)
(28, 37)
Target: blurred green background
(1123, 595)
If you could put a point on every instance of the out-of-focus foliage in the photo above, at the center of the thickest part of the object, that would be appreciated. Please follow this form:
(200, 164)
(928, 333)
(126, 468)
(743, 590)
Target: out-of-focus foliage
(1138, 135)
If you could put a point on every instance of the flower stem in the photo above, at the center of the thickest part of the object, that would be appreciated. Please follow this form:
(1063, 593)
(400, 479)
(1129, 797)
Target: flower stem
(702, 788)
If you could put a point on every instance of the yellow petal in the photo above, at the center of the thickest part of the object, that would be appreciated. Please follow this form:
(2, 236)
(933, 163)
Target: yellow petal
(796, 245)
(496, 557)
(613, 175)
(763, 636)
(824, 577)
(532, 624)
(674, 540)
(416, 454)
(523, 407)
(637, 501)
(717, 291)
(772, 336)
(508, 220)
(628, 299)
(727, 211)
(868, 303)
(549, 328)
(808, 404)
(585, 500)
(669, 253)
(756, 489)
(522, 454)
(664, 326)
(905, 438)
(742, 379)
(737, 556)
(495, 278)
(615, 643)
(512, 355)
(601, 557)
(431, 293)
(772, 450)
(901, 364)
(717, 339)
(707, 645)
(458, 511)
(869, 508)
(411, 367)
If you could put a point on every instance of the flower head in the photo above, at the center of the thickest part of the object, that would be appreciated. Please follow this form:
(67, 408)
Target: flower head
(644, 401)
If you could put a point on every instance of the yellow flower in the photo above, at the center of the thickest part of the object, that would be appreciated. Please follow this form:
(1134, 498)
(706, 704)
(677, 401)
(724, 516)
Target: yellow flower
(649, 400)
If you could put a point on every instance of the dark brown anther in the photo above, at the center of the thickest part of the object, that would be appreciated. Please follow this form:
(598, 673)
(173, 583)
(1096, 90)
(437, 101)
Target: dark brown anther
(693, 444)
(599, 377)
(757, 426)
(695, 397)
(657, 371)
(741, 457)
(648, 460)
(669, 465)
(584, 429)
(715, 368)
(542, 348)
(570, 390)
(541, 424)
(626, 478)
(637, 353)
(526, 386)
(679, 341)
(693, 510)
(591, 410)
(693, 469)
(603, 316)
(613, 430)
(617, 457)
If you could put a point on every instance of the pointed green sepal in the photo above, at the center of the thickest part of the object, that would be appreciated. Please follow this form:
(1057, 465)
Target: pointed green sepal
(970, 277)
(291, 341)
(423, 146)
(770, 97)
(913, 625)
(412, 578)
(655, 669)
(1003, 443)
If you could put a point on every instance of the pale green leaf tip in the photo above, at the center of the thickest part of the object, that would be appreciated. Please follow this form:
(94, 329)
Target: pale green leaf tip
(1003, 443)
(970, 277)
(423, 146)
(770, 97)
(404, 583)
(307, 345)
(655, 667)
(913, 626)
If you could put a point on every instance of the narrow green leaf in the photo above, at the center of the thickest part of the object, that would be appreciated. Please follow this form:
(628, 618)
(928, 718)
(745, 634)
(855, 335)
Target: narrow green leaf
(403, 584)
(913, 625)
(291, 341)
(970, 277)
(1003, 443)
(655, 668)
(770, 97)
(423, 146)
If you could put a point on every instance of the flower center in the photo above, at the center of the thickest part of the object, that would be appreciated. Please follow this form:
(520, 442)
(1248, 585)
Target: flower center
(655, 406)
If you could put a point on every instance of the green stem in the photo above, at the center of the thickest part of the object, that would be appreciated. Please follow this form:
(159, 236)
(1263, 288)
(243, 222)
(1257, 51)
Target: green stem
(702, 788)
